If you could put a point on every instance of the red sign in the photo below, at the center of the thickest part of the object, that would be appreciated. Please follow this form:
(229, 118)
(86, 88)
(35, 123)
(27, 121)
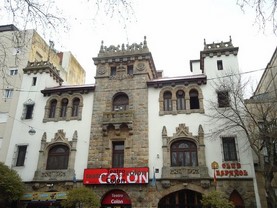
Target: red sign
(116, 197)
(116, 176)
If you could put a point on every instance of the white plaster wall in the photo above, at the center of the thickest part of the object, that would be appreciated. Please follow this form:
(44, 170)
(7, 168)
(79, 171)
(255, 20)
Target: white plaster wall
(21, 127)
(213, 144)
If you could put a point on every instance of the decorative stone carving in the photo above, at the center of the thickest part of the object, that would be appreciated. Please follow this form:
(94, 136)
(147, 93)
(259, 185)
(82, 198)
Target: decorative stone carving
(205, 184)
(101, 70)
(165, 183)
(140, 66)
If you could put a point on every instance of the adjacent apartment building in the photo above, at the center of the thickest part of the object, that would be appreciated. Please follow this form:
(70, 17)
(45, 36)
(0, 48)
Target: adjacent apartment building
(18, 47)
(134, 137)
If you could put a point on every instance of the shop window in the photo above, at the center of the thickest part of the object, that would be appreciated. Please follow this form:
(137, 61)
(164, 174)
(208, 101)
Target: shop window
(223, 99)
(64, 105)
(180, 100)
(118, 155)
(229, 149)
(183, 153)
(167, 98)
(194, 100)
(120, 102)
(75, 107)
(219, 65)
(21, 154)
(57, 158)
(53, 106)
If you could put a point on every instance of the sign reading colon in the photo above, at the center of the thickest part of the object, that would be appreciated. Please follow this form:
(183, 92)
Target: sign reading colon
(116, 176)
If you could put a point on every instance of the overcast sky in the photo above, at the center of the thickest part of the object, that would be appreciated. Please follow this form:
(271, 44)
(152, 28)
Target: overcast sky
(175, 32)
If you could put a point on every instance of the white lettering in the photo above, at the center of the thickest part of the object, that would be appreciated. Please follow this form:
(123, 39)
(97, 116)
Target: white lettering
(116, 201)
(100, 178)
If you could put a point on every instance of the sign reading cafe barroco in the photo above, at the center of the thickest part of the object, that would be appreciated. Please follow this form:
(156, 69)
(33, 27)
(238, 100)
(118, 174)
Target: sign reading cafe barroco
(116, 176)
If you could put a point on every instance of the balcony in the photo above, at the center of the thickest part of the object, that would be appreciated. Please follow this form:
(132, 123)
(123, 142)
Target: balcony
(116, 119)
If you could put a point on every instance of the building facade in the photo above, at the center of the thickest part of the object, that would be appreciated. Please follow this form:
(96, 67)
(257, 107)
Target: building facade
(18, 47)
(134, 137)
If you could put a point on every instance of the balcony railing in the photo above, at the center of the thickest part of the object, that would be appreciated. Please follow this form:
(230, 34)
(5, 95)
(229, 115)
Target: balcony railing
(114, 117)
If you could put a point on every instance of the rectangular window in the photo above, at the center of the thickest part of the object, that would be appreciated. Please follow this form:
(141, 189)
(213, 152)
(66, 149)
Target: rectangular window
(113, 71)
(8, 93)
(130, 69)
(223, 99)
(34, 82)
(13, 71)
(219, 65)
(4, 117)
(29, 111)
(21, 153)
(229, 149)
(118, 155)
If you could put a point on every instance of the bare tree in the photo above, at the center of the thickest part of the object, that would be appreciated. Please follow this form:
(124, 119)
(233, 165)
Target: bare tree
(265, 11)
(255, 118)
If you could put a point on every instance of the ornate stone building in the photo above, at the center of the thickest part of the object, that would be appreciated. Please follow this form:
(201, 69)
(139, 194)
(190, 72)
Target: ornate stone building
(141, 119)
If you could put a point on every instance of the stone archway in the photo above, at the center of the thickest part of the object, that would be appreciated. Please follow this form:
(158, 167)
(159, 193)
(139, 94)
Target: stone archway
(184, 198)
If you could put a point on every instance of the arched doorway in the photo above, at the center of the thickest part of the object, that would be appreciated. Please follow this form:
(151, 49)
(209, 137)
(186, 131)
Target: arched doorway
(181, 199)
(236, 199)
(116, 199)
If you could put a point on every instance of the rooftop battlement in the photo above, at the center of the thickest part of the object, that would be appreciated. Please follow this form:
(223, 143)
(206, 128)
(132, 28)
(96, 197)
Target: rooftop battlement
(127, 49)
(217, 46)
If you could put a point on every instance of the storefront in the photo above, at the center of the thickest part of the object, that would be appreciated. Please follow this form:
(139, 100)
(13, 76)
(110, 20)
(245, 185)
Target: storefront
(42, 199)
(123, 178)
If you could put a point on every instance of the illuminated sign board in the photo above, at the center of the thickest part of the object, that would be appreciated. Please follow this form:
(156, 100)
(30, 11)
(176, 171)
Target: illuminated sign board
(116, 176)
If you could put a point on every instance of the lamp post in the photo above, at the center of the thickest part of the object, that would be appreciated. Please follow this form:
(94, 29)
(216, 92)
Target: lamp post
(214, 167)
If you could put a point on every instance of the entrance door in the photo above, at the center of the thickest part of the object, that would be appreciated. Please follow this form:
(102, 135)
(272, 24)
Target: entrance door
(181, 199)
(116, 199)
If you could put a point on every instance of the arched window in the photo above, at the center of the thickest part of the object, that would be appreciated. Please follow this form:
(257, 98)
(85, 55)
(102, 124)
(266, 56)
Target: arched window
(235, 197)
(75, 107)
(194, 100)
(180, 95)
(64, 104)
(57, 158)
(52, 110)
(120, 102)
(167, 101)
(183, 153)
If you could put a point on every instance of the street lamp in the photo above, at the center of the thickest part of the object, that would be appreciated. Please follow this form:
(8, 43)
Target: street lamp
(32, 131)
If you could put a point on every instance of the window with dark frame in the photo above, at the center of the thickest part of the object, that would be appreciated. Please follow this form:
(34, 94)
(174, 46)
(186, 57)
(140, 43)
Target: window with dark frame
(118, 155)
(167, 98)
(21, 153)
(29, 111)
(223, 99)
(58, 157)
(113, 71)
(180, 100)
(64, 105)
(194, 100)
(52, 110)
(120, 102)
(8, 93)
(219, 65)
(229, 149)
(75, 107)
(13, 72)
(34, 82)
(183, 153)
(130, 69)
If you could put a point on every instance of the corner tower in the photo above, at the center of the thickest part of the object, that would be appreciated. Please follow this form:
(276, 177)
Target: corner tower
(119, 131)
